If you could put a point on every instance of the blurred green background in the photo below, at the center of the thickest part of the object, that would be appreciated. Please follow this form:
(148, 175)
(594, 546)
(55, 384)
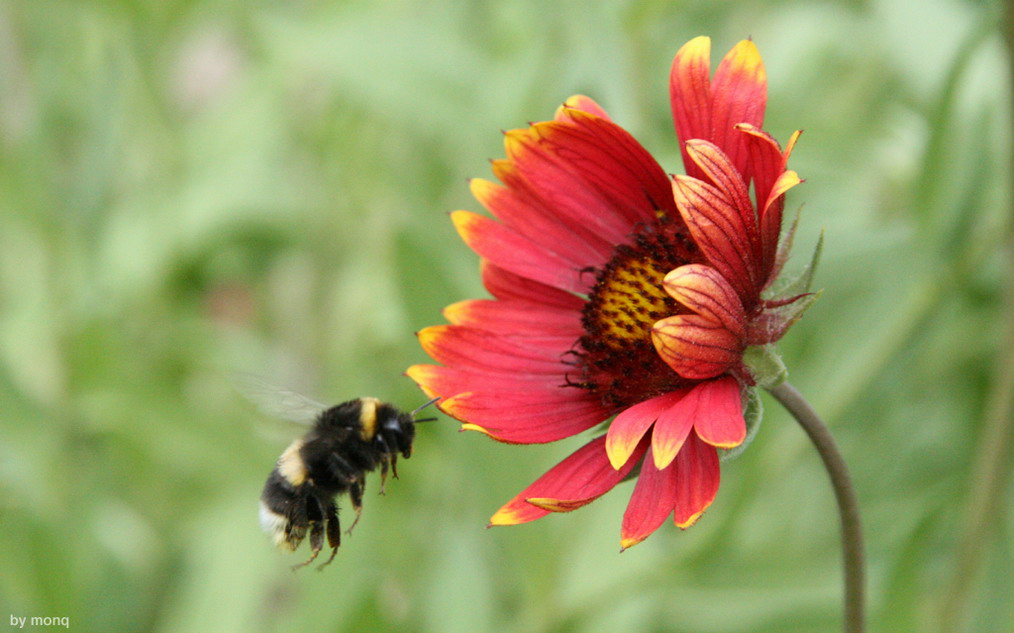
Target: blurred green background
(192, 188)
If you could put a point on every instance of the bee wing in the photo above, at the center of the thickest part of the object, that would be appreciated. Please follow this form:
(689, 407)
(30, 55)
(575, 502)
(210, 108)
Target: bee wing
(277, 401)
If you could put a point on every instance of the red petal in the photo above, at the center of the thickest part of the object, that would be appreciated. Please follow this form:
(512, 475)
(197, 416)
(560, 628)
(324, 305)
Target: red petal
(690, 96)
(504, 284)
(507, 249)
(532, 220)
(627, 429)
(521, 317)
(578, 480)
(458, 345)
(582, 103)
(767, 163)
(705, 291)
(771, 220)
(533, 416)
(445, 382)
(696, 347)
(717, 227)
(718, 418)
(671, 431)
(765, 159)
(614, 163)
(718, 168)
(697, 477)
(544, 178)
(739, 93)
(652, 501)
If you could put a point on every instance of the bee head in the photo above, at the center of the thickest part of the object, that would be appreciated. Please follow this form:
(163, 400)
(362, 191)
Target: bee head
(397, 430)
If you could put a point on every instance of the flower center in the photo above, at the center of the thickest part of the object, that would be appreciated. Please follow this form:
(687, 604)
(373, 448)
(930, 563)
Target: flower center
(616, 359)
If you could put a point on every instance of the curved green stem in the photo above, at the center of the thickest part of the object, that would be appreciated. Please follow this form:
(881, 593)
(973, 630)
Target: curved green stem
(848, 505)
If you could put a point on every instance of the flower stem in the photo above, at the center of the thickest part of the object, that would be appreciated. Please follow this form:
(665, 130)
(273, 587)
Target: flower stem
(848, 505)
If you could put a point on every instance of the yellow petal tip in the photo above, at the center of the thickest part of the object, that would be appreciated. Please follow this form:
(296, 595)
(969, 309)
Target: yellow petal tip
(697, 47)
(617, 454)
(627, 543)
(503, 516)
(466, 426)
(663, 458)
(690, 521)
(745, 57)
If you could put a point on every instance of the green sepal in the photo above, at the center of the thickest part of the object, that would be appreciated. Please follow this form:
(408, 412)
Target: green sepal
(766, 366)
(753, 412)
(800, 284)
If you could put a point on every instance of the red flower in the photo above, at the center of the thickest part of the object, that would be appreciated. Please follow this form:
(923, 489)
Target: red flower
(621, 292)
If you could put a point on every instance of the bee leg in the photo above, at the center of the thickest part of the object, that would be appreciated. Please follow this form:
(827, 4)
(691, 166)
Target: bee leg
(385, 461)
(394, 465)
(316, 543)
(334, 535)
(356, 496)
(316, 516)
(383, 473)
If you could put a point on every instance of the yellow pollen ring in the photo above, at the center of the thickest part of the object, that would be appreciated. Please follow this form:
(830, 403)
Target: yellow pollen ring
(629, 299)
(368, 418)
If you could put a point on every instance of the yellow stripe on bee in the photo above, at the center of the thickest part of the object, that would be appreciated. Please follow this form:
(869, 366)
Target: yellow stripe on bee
(368, 418)
(291, 466)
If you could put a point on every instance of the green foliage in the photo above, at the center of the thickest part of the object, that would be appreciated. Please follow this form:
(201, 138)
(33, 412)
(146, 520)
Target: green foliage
(190, 188)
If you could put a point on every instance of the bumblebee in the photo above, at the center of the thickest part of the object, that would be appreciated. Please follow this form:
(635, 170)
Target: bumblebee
(346, 442)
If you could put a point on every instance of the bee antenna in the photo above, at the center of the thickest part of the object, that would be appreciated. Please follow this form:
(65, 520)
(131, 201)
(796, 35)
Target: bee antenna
(425, 420)
(423, 406)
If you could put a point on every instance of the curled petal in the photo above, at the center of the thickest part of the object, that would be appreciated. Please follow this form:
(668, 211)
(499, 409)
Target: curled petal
(695, 346)
(652, 501)
(718, 228)
(703, 290)
(576, 481)
(697, 477)
(771, 181)
(786, 181)
(627, 429)
(718, 169)
(766, 157)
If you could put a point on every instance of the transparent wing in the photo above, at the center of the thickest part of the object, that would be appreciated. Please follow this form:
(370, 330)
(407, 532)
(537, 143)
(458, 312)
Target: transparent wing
(277, 401)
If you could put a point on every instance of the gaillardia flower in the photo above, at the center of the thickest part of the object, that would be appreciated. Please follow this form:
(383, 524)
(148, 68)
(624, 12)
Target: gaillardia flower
(619, 291)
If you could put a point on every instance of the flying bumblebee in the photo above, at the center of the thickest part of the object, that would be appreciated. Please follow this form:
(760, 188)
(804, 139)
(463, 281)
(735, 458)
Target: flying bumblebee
(346, 442)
